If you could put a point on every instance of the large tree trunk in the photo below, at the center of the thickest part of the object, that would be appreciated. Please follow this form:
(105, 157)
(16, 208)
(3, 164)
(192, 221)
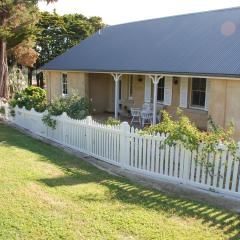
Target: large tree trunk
(4, 91)
(40, 80)
(30, 73)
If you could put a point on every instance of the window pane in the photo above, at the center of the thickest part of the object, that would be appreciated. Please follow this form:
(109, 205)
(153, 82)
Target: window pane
(160, 92)
(203, 85)
(198, 91)
(195, 98)
(202, 99)
(120, 89)
(195, 84)
(161, 83)
(64, 84)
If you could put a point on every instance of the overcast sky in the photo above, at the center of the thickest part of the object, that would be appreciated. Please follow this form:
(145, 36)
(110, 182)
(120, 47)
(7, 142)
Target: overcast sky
(122, 11)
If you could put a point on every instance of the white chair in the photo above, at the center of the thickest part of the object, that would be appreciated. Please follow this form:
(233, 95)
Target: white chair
(146, 117)
(136, 116)
(147, 106)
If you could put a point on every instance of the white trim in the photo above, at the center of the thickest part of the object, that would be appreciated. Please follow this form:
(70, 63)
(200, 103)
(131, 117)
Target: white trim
(168, 82)
(64, 95)
(207, 98)
(149, 73)
(183, 95)
(130, 80)
(197, 108)
(147, 90)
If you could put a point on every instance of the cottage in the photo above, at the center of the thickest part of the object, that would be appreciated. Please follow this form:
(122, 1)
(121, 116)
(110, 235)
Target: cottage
(189, 61)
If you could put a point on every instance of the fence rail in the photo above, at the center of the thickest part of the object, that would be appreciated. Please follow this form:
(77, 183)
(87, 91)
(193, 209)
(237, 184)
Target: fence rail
(148, 155)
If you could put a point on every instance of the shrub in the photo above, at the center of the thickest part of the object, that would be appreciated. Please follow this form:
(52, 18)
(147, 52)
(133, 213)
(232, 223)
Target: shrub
(112, 121)
(185, 132)
(30, 97)
(78, 108)
(2, 110)
(75, 106)
(57, 107)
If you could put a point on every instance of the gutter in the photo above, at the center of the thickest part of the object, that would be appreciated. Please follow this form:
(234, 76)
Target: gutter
(176, 74)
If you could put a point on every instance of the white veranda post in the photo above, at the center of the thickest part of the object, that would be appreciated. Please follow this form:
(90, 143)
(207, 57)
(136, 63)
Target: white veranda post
(155, 80)
(116, 78)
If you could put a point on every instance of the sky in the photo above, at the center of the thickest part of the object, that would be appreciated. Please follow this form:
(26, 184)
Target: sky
(122, 11)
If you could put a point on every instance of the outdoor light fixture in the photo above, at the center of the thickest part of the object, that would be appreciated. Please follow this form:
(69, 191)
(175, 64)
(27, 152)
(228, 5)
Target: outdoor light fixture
(175, 81)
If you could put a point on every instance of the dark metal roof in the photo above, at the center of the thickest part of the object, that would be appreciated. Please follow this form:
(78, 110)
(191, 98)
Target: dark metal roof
(205, 43)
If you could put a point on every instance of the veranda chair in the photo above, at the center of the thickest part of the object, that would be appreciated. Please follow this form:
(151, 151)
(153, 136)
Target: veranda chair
(136, 116)
(146, 117)
(147, 106)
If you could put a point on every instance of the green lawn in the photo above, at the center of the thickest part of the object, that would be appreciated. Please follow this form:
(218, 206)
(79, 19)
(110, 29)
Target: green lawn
(46, 193)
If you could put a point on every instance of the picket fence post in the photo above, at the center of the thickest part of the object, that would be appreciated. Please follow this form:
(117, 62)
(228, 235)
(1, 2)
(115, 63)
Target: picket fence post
(238, 153)
(7, 112)
(89, 135)
(186, 165)
(124, 144)
(63, 118)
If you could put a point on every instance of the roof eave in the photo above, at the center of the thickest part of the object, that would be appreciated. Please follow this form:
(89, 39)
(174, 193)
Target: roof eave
(141, 72)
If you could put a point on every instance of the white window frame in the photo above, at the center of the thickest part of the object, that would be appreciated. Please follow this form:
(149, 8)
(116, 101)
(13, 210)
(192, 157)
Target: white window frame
(203, 108)
(130, 87)
(66, 83)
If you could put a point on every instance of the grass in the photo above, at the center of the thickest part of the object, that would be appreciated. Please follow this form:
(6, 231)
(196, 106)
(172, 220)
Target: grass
(46, 193)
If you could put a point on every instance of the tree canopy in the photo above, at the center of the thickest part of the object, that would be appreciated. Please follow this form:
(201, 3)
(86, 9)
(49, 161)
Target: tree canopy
(17, 25)
(58, 33)
(27, 35)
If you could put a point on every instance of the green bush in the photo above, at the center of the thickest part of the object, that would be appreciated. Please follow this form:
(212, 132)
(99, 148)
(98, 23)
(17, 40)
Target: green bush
(112, 121)
(78, 108)
(2, 110)
(30, 97)
(57, 107)
(75, 106)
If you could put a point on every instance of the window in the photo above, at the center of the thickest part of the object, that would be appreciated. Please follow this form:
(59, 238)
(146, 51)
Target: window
(130, 87)
(160, 93)
(64, 84)
(198, 92)
(120, 90)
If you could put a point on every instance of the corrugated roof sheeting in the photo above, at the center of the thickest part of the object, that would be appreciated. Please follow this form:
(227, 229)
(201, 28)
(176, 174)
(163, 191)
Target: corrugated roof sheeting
(202, 43)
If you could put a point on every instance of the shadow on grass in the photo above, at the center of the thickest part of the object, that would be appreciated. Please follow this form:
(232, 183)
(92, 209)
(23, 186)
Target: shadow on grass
(79, 172)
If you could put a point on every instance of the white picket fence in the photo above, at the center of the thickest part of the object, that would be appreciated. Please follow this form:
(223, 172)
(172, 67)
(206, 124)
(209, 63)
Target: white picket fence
(6, 114)
(147, 155)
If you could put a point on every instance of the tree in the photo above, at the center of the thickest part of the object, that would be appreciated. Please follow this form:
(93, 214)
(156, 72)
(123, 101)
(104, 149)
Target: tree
(17, 25)
(58, 33)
